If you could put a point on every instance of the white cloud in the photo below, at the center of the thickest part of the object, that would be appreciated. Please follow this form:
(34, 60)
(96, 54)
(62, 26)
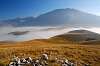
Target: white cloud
(37, 32)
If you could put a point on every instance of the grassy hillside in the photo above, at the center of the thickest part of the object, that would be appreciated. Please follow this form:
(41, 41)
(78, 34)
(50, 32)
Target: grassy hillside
(74, 52)
(74, 37)
(77, 46)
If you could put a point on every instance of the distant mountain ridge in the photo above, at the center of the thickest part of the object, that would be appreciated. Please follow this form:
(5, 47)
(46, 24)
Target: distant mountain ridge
(57, 17)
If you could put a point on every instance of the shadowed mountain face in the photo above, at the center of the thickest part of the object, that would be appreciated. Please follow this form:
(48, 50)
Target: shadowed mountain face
(57, 17)
(78, 36)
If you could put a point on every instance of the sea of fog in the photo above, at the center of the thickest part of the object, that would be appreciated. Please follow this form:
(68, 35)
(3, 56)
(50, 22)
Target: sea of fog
(38, 32)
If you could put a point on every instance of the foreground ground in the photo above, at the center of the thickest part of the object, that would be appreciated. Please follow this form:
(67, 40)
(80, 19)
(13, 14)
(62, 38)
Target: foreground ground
(76, 53)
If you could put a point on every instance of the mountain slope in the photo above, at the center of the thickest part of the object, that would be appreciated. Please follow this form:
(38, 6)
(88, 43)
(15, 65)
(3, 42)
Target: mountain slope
(68, 17)
(57, 17)
(76, 36)
(27, 21)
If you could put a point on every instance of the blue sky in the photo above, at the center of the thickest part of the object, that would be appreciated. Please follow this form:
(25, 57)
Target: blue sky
(23, 8)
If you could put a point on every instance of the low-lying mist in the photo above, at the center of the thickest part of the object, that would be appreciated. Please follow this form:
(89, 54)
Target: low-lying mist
(29, 33)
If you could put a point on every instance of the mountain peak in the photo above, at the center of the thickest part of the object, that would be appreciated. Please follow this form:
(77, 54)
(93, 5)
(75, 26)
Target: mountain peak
(66, 10)
(80, 31)
(58, 17)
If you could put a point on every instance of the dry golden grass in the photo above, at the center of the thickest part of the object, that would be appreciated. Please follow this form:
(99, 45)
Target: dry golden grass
(74, 52)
